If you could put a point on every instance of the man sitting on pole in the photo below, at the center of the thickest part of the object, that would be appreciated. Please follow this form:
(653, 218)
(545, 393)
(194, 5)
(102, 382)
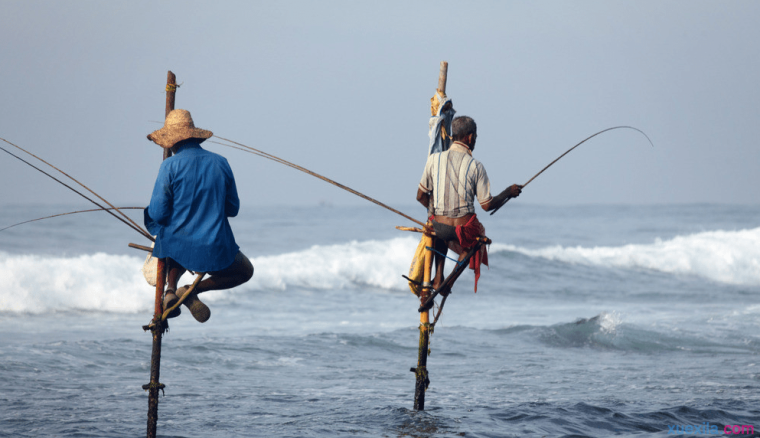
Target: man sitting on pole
(451, 181)
(194, 195)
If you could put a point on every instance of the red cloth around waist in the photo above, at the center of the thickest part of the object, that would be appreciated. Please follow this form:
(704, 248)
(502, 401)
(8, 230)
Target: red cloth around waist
(467, 235)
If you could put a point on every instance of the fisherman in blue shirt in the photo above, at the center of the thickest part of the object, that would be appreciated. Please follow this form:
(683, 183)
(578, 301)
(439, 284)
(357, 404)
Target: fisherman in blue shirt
(194, 195)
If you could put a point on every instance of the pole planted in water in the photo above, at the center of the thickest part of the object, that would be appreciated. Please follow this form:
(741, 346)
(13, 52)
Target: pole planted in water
(159, 325)
(422, 381)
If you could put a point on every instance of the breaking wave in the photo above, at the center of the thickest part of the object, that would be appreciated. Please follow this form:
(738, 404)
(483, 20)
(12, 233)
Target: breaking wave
(114, 283)
(371, 263)
(608, 331)
(39, 284)
(731, 257)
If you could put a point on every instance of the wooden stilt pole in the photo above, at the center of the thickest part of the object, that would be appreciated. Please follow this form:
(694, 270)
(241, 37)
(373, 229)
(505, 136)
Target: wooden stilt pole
(155, 359)
(422, 380)
(171, 88)
(159, 326)
(442, 76)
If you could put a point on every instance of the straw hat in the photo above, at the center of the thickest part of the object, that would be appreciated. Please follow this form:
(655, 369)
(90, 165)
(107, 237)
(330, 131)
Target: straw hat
(178, 126)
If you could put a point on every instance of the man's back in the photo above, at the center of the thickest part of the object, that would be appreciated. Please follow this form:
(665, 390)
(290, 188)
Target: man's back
(455, 179)
(194, 194)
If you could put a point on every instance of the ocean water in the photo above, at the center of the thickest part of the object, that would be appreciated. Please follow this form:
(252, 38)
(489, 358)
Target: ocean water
(592, 321)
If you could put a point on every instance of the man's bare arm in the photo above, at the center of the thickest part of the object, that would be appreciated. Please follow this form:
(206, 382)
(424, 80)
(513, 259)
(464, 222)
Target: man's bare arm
(423, 197)
(512, 191)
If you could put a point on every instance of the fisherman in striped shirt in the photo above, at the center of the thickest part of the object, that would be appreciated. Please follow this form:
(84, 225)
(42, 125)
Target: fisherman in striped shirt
(451, 181)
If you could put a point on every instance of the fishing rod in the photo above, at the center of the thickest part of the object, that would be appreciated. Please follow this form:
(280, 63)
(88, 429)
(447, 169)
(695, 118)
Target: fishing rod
(568, 151)
(130, 224)
(64, 214)
(260, 153)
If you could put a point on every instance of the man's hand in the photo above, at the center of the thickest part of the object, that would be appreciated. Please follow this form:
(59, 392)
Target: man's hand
(510, 192)
(514, 190)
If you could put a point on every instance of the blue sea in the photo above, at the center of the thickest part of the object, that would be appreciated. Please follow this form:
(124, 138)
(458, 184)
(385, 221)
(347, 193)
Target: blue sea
(592, 321)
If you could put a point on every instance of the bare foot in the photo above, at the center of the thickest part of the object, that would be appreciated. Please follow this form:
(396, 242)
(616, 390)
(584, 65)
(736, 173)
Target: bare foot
(171, 299)
(200, 311)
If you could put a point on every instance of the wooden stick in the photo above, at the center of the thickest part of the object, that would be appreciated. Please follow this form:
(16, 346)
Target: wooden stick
(160, 325)
(155, 357)
(415, 229)
(442, 76)
(171, 89)
(422, 381)
(141, 247)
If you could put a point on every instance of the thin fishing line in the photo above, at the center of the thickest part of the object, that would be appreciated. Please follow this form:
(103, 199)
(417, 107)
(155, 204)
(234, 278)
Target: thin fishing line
(302, 169)
(145, 233)
(77, 192)
(64, 214)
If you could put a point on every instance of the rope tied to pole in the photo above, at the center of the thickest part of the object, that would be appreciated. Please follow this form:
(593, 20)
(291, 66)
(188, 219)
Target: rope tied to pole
(149, 386)
(171, 88)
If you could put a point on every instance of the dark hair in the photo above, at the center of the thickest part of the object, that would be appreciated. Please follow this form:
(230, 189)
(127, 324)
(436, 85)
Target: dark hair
(463, 126)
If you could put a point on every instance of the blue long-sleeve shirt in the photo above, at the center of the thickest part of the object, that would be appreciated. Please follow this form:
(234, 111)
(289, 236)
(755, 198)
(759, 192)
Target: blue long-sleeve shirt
(194, 195)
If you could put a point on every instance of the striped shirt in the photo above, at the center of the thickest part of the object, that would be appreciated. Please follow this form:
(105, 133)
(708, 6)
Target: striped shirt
(455, 178)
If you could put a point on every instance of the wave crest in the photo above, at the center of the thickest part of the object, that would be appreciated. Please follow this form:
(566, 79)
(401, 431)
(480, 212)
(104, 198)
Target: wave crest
(731, 257)
(103, 282)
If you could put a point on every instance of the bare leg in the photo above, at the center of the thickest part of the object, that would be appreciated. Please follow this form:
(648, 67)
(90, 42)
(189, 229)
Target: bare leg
(440, 261)
(175, 272)
(236, 274)
(240, 271)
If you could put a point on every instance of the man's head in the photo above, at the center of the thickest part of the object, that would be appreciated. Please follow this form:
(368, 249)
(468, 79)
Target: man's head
(465, 130)
(178, 127)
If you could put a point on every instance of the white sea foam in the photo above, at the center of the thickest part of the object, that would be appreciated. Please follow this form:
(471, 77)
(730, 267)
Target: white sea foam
(39, 284)
(609, 321)
(725, 256)
(371, 263)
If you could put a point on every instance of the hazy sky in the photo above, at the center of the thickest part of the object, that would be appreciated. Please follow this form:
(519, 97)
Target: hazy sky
(343, 88)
